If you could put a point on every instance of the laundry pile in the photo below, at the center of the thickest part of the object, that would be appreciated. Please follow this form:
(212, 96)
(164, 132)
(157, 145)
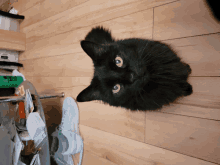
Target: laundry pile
(23, 132)
(23, 123)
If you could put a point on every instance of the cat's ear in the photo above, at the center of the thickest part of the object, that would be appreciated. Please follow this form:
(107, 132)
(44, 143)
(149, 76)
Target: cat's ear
(92, 49)
(88, 94)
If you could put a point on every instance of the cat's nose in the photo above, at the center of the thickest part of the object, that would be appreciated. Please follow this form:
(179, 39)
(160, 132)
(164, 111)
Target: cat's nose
(132, 77)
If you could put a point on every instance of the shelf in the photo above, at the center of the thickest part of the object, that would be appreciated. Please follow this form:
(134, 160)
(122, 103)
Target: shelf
(8, 63)
(11, 40)
(15, 16)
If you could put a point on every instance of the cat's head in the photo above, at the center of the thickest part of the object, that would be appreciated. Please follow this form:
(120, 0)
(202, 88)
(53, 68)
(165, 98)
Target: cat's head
(124, 71)
(118, 72)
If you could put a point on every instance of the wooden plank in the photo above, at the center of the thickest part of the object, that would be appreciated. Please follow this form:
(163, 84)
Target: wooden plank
(116, 120)
(117, 157)
(138, 24)
(68, 91)
(202, 100)
(193, 111)
(50, 8)
(46, 9)
(48, 84)
(84, 15)
(200, 52)
(190, 136)
(89, 158)
(171, 20)
(89, 6)
(23, 5)
(206, 92)
(12, 40)
(62, 44)
(70, 42)
(75, 65)
(150, 154)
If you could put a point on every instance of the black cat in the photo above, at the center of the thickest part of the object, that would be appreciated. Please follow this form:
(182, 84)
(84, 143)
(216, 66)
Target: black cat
(137, 74)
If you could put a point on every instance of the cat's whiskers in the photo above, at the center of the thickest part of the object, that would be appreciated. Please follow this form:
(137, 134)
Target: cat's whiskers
(143, 49)
(152, 99)
(163, 52)
(146, 58)
(141, 96)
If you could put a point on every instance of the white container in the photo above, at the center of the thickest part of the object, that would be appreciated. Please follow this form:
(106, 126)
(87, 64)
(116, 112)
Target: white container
(10, 24)
(9, 21)
(9, 55)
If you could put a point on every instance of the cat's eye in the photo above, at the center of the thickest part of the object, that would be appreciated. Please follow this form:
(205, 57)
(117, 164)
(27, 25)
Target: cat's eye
(119, 61)
(116, 88)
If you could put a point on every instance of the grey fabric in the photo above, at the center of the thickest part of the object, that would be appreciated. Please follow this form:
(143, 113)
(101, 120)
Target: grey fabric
(5, 147)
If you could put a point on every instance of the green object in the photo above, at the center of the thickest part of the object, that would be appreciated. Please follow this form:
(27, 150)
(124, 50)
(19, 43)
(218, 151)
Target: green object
(10, 81)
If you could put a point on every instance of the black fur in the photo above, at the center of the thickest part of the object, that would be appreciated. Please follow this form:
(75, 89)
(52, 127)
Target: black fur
(214, 8)
(152, 74)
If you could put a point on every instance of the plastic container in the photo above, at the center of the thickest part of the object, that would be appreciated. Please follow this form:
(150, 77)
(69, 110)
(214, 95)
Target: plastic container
(10, 21)
(9, 55)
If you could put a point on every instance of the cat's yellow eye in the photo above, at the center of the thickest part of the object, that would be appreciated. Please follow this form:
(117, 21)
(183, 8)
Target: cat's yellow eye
(116, 88)
(119, 61)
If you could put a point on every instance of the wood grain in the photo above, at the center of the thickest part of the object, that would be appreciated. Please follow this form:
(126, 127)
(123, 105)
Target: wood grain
(23, 5)
(133, 25)
(70, 42)
(66, 65)
(47, 8)
(56, 82)
(200, 52)
(183, 18)
(117, 120)
(57, 45)
(89, 158)
(205, 92)
(115, 156)
(184, 135)
(12, 40)
(150, 154)
(84, 15)
(193, 111)
(111, 10)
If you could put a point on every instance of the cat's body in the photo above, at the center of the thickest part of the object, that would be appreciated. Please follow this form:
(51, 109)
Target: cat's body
(136, 74)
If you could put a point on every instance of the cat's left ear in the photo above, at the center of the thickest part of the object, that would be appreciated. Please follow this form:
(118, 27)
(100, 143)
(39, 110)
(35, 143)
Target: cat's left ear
(92, 49)
(88, 94)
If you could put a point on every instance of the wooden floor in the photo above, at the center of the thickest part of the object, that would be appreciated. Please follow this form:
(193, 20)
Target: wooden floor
(185, 133)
